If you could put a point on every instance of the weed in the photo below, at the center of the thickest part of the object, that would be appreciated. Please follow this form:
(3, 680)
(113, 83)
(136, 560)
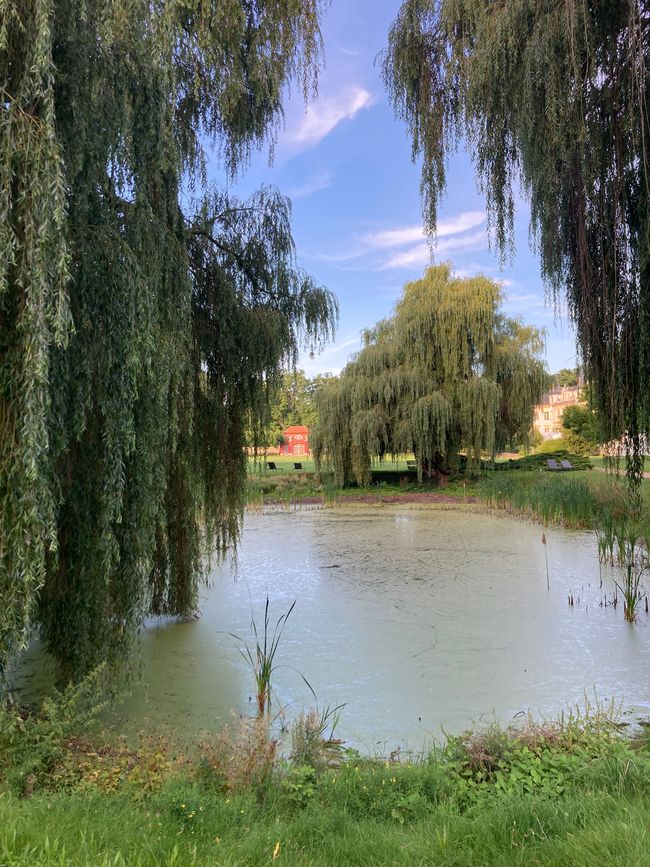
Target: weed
(31, 744)
(312, 739)
(241, 760)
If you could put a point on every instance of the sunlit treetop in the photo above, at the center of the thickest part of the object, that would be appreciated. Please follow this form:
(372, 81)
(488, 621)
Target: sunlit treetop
(448, 372)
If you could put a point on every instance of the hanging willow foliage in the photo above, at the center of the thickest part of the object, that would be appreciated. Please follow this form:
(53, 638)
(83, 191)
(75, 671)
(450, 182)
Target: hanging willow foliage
(552, 94)
(138, 339)
(448, 372)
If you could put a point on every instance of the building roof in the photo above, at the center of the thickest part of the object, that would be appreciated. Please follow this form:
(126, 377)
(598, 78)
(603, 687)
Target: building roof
(296, 429)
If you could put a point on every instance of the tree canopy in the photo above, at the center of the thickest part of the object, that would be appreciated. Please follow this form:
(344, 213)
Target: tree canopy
(567, 376)
(551, 96)
(141, 335)
(447, 372)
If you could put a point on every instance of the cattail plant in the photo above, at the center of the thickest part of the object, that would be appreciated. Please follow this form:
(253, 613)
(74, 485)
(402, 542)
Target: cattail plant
(261, 660)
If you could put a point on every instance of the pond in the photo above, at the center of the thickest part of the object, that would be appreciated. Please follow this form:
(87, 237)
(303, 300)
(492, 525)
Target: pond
(418, 620)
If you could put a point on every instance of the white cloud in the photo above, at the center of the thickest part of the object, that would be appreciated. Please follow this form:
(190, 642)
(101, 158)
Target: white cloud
(394, 237)
(403, 236)
(421, 254)
(327, 113)
(332, 359)
(311, 186)
(522, 299)
(410, 234)
(349, 52)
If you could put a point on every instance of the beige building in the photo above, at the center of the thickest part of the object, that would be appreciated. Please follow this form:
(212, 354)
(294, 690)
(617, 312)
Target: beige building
(547, 418)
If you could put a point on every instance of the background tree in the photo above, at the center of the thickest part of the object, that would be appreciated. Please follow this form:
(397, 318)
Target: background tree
(552, 96)
(581, 429)
(447, 372)
(138, 339)
(293, 404)
(567, 376)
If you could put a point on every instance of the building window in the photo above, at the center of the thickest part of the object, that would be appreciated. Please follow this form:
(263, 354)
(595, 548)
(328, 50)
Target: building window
(546, 416)
(547, 429)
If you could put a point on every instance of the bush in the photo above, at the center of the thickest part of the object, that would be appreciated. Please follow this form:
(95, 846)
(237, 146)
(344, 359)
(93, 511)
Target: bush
(311, 744)
(31, 744)
(241, 760)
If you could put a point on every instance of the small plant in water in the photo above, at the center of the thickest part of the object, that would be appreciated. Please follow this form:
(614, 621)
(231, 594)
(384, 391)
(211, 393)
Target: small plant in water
(261, 660)
(631, 588)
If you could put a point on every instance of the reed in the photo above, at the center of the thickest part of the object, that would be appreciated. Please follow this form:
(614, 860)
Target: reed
(261, 659)
(631, 590)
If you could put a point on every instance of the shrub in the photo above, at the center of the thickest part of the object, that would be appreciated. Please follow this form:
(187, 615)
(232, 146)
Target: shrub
(241, 759)
(311, 742)
(31, 744)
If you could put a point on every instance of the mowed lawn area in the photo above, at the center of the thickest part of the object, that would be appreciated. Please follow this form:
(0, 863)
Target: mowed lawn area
(285, 464)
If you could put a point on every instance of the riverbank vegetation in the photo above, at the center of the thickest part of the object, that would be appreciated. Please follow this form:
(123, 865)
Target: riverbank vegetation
(570, 791)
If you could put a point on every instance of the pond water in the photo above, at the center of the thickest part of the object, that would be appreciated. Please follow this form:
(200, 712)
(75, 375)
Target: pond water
(418, 620)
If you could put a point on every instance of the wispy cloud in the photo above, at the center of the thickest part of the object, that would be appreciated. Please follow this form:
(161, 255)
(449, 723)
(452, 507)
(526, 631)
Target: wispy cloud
(410, 234)
(332, 359)
(313, 185)
(326, 114)
(349, 52)
(415, 237)
(421, 254)
(523, 299)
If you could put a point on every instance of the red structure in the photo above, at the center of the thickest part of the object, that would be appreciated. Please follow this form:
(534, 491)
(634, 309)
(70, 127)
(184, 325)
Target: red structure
(295, 440)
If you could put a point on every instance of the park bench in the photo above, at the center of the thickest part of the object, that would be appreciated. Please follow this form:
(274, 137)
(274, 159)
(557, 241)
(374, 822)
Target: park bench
(271, 465)
(297, 466)
(411, 465)
(552, 464)
(566, 465)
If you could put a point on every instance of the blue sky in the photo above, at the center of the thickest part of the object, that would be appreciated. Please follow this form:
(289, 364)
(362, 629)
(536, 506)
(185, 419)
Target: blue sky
(345, 162)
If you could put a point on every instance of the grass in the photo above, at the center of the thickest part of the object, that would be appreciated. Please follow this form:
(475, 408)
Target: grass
(286, 486)
(577, 500)
(570, 792)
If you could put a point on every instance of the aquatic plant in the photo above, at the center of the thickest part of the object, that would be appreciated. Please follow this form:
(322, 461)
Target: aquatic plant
(261, 660)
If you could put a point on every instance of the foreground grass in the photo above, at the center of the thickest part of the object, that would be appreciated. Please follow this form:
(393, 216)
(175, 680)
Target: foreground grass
(572, 792)
(594, 828)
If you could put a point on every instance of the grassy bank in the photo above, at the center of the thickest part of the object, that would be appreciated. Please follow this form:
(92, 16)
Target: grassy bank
(573, 792)
(287, 486)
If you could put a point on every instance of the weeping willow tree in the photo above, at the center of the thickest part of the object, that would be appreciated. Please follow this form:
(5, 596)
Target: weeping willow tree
(551, 95)
(139, 335)
(447, 373)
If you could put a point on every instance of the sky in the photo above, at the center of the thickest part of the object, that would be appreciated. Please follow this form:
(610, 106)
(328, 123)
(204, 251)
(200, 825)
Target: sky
(345, 161)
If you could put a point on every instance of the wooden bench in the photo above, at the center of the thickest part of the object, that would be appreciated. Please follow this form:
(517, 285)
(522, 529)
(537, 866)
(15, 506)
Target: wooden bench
(411, 465)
